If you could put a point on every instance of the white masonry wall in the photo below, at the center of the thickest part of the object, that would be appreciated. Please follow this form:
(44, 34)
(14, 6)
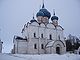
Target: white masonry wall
(22, 46)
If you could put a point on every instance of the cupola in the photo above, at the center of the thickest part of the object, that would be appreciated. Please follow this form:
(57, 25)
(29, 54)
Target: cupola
(43, 15)
(54, 19)
(33, 20)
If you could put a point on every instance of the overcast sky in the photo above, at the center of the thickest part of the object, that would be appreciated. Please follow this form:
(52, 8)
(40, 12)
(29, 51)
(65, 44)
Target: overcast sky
(15, 13)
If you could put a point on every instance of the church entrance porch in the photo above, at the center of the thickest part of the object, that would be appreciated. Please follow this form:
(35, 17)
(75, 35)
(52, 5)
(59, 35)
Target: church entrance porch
(56, 47)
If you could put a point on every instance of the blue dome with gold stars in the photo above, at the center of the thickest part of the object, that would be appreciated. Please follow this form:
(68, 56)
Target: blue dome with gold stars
(54, 17)
(43, 12)
(40, 13)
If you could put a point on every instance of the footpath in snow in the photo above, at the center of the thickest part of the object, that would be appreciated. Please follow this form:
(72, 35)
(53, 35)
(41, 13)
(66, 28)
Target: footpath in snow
(39, 57)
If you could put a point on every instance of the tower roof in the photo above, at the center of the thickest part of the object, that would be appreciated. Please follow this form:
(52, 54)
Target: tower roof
(54, 17)
(40, 13)
(43, 12)
(33, 20)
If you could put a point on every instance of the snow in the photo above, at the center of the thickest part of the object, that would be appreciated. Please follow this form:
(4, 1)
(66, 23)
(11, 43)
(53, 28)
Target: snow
(39, 57)
(50, 44)
(9, 57)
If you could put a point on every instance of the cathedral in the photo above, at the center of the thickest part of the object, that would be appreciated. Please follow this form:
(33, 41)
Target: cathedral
(39, 36)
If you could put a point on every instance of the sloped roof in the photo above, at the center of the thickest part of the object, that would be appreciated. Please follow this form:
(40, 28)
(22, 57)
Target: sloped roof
(49, 44)
(19, 38)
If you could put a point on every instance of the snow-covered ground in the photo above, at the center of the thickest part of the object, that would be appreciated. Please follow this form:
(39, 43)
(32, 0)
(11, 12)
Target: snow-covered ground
(39, 57)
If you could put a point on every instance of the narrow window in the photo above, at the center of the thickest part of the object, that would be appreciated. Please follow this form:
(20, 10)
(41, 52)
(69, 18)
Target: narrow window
(35, 46)
(59, 37)
(34, 34)
(50, 37)
(42, 46)
(41, 35)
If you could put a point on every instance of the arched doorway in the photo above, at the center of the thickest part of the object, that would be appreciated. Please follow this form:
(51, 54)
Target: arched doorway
(58, 50)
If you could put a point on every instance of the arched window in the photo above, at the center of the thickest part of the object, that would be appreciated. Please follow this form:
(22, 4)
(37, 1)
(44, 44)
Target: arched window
(42, 46)
(34, 34)
(50, 37)
(59, 37)
(35, 46)
(41, 35)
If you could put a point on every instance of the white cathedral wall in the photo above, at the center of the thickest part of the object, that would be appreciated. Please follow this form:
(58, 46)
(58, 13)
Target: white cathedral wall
(32, 30)
(50, 25)
(42, 25)
(35, 28)
(52, 32)
(60, 32)
(46, 31)
(20, 46)
(25, 33)
(41, 31)
(38, 40)
(49, 50)
(34, 24)
(31, 43)
(44, 42)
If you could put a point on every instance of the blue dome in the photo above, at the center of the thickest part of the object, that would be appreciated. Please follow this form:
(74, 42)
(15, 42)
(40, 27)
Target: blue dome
(44, 12)
(54, 17)
(40, 13)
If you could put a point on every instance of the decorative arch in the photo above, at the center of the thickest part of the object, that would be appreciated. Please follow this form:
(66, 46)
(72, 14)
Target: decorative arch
(35, 24)
(58, 46)
(42, 25)
(59, 27)
(60, 41)
(50, 25)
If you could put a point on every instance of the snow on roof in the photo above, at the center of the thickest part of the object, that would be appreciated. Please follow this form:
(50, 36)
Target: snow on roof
(19, 38)
(49, 44)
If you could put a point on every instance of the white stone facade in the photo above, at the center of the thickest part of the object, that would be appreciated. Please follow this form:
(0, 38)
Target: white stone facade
(27, 46)
(40, 36)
